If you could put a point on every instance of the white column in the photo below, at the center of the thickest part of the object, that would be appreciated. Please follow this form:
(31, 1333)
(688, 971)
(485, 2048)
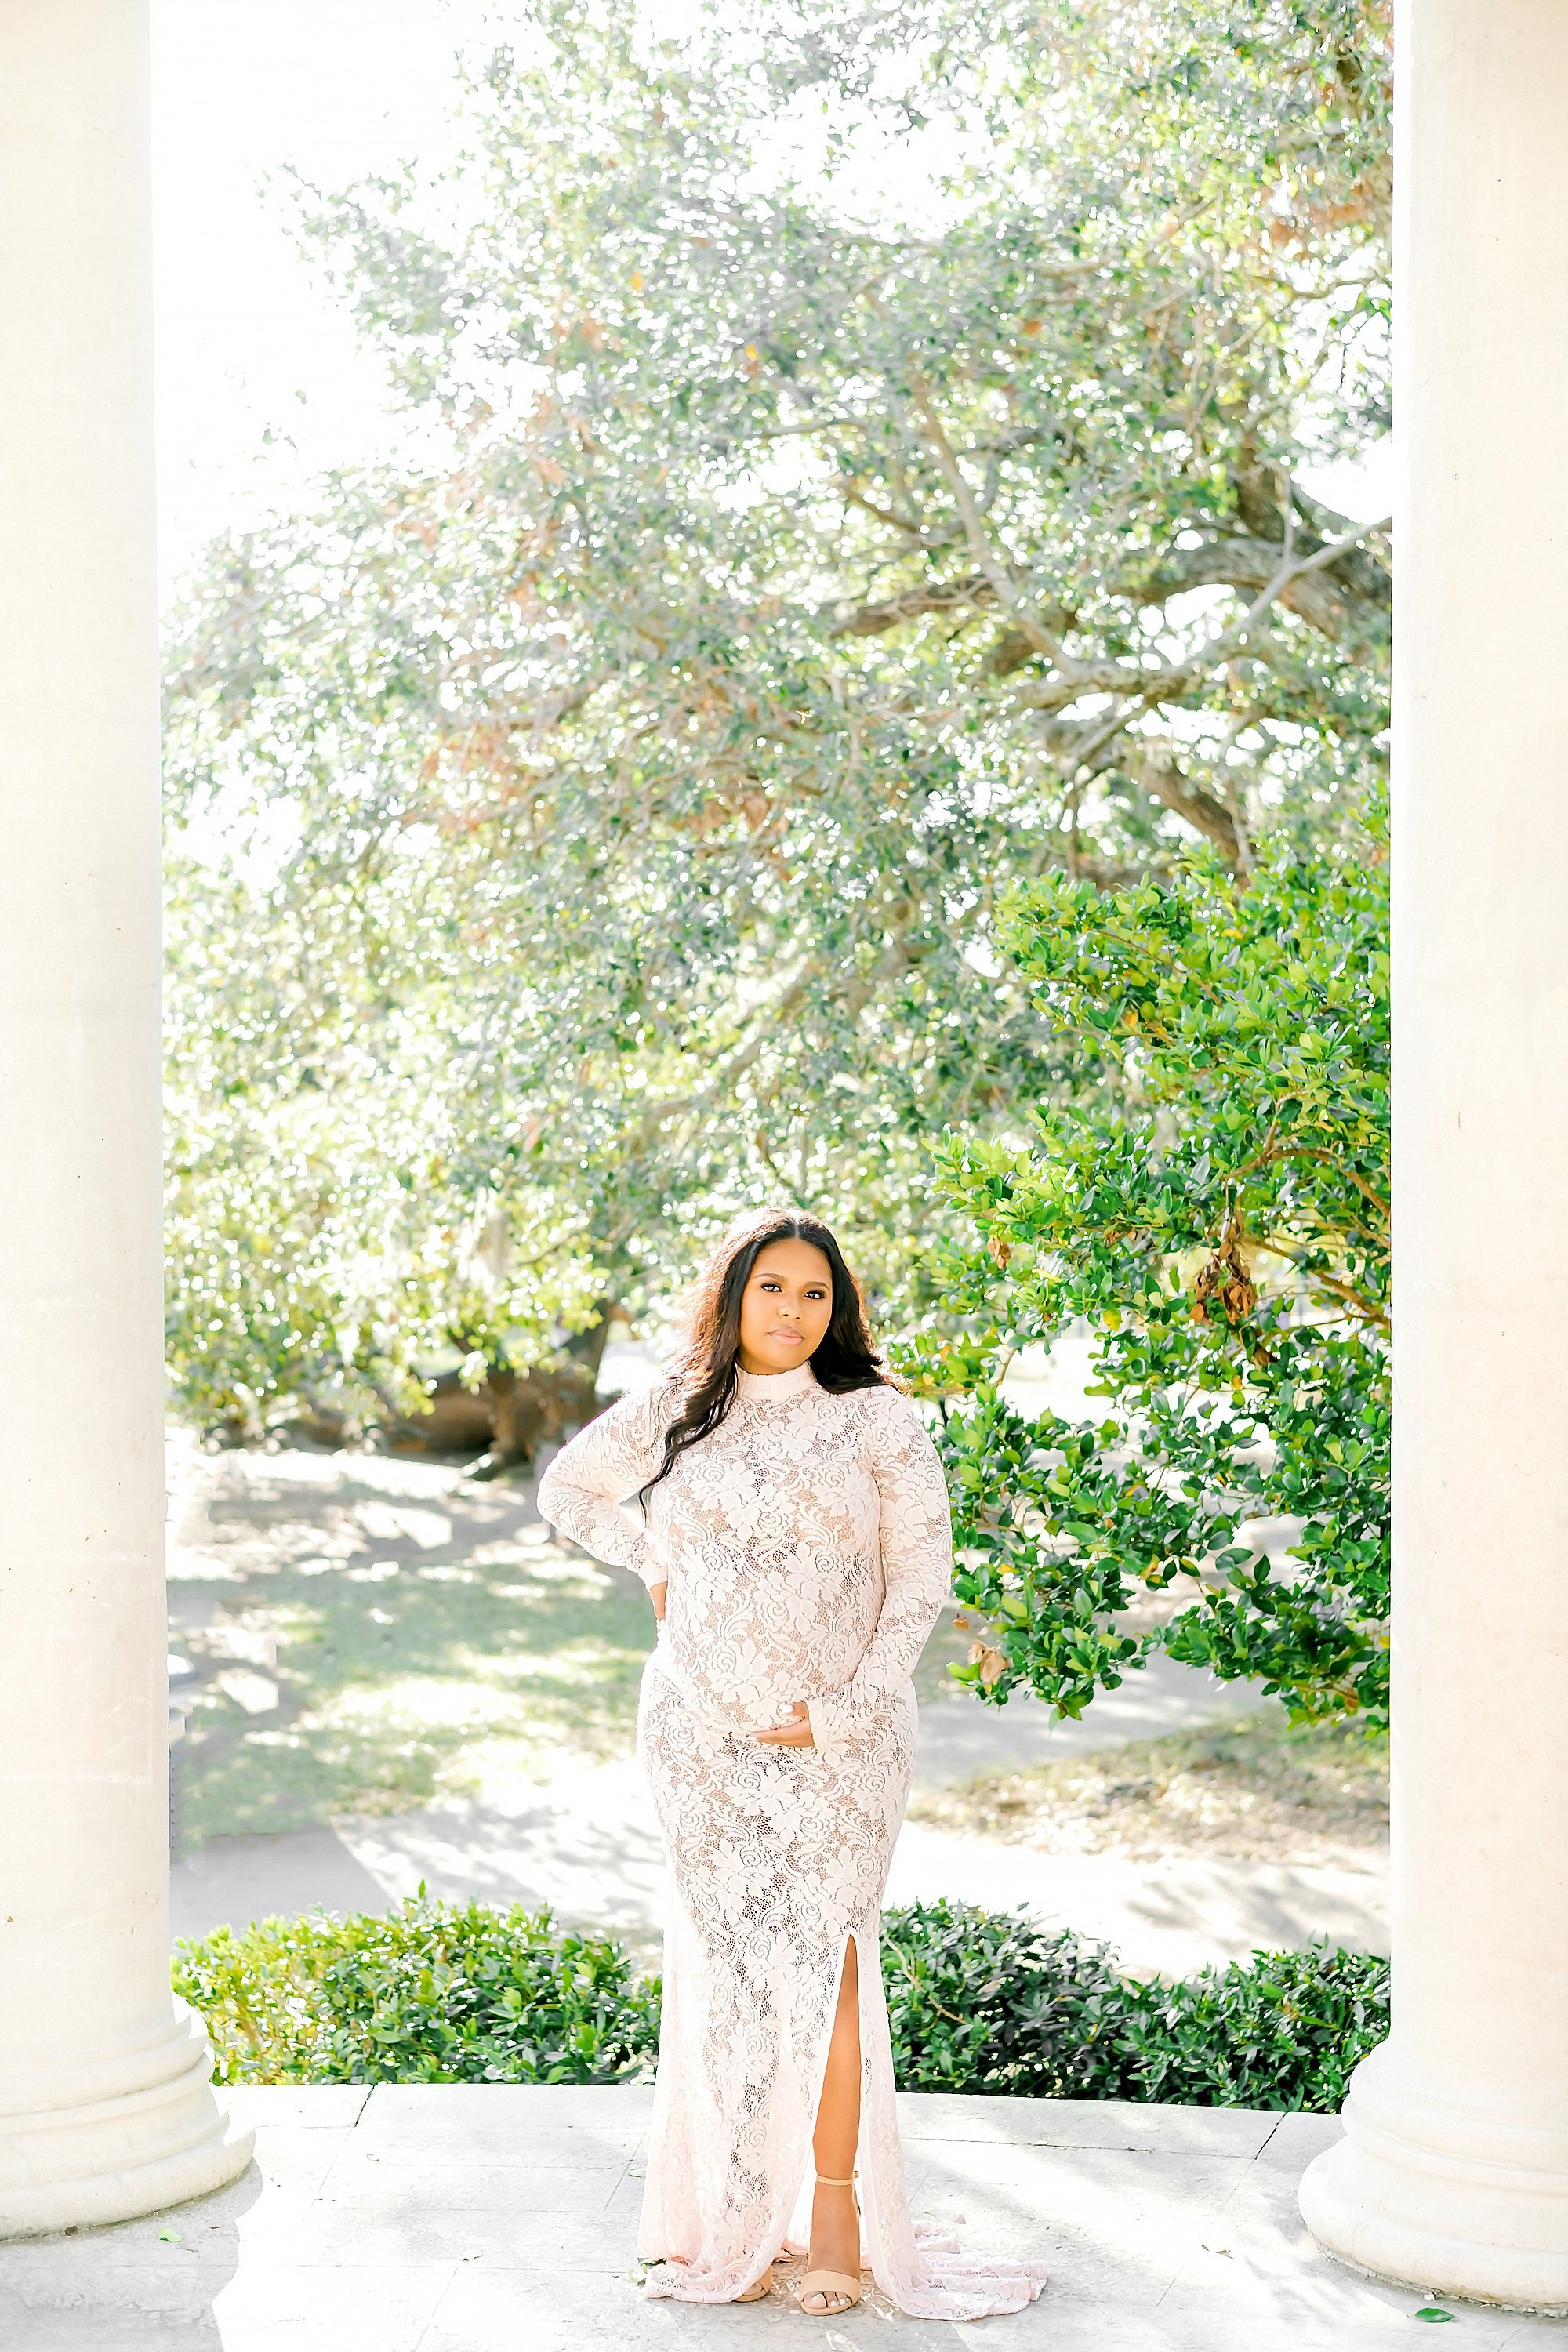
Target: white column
(1453, 2172)
(105, 2107)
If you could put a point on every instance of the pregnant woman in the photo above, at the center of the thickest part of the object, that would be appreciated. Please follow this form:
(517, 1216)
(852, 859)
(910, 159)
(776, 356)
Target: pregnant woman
(796, 1546)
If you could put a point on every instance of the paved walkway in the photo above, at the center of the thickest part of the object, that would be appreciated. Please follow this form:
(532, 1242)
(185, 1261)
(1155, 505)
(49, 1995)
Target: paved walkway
(585, 1842)
(503, 2219)
(453, 1582)
(589, 1849)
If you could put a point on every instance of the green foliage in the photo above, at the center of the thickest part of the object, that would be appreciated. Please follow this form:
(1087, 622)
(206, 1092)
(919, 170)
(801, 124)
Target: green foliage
(1287, 2031)
(986, 2002)
(977, 2002)
(436, 1992)
(626, 791)
(1248, 1028)
(323, 1235)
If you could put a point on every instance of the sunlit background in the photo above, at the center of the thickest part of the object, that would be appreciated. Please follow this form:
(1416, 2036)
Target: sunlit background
(260, 384)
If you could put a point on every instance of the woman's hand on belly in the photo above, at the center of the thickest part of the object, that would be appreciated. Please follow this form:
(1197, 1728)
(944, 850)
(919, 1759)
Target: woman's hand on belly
(657, 1593)
(791, 1735)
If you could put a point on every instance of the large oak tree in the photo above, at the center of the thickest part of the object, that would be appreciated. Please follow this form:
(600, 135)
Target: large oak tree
(811, 544)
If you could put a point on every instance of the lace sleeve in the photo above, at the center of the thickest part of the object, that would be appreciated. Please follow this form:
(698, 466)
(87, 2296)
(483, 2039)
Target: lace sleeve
(916, 1565)
(605, 1463)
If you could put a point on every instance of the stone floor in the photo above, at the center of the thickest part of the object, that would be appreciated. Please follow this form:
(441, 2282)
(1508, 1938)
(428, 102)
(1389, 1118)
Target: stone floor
(503, 2219)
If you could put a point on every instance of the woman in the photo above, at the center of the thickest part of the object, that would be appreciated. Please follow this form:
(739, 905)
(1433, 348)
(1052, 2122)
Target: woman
(796, 1547)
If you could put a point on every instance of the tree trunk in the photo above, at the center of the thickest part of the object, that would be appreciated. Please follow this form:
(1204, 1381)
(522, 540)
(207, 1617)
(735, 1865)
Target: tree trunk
(507, 1419)
(502, 1387)
(541, 1406)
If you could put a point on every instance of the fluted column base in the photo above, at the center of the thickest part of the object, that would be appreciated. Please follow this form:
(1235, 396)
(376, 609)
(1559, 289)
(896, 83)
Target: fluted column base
(127, 2135)
(1429, 2192)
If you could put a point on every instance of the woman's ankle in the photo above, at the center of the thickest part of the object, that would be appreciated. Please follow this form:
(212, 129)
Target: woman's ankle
(835, 2221)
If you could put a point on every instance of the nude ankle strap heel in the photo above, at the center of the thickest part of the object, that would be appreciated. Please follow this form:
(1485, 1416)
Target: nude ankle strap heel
(826, 2283)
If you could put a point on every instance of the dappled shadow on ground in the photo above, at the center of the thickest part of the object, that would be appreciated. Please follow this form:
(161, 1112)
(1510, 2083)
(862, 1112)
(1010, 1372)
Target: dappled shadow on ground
(1253, 1787)
(483, 2217)
(406, 1680)
(372, 1634)
(233, 1880)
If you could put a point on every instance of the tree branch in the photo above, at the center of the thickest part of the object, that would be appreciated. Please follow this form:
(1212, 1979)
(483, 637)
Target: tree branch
(942, 597)
(979, 546)
(1324, 603)
(1171, 679)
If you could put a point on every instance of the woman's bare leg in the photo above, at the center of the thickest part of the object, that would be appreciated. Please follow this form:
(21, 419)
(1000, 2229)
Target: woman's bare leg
(834, 2223)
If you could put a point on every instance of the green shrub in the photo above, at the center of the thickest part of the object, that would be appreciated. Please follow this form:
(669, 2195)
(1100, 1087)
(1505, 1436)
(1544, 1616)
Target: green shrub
(437, 1992)
(977, 2002)
(985, 2001)
(1285, 2030)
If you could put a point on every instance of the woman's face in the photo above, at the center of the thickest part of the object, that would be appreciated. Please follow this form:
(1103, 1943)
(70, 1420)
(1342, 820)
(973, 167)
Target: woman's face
(785, 1308)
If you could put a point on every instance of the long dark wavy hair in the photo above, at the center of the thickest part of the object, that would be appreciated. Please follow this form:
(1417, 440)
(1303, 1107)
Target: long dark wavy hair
(844, 1358)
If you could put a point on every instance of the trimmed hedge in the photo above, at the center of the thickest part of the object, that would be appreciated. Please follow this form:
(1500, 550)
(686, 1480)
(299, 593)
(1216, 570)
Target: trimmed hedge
(986, 2002)
(977, 2002)
(437, 1992)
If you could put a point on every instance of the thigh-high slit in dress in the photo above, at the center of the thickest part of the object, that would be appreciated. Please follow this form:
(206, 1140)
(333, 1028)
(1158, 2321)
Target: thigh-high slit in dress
(806, 1546)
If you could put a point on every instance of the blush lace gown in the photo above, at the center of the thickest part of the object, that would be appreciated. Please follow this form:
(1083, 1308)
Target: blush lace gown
(807, 1545)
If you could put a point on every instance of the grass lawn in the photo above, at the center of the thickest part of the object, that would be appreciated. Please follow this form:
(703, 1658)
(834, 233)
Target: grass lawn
(1251, 1789)
(374, 1634)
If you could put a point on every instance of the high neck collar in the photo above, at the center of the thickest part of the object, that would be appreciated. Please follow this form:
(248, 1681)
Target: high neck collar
(773, 1388)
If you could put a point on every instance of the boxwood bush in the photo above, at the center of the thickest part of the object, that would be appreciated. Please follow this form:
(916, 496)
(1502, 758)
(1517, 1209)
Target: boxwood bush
(977, 2002)
(988, 2001)
(437, 1992)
